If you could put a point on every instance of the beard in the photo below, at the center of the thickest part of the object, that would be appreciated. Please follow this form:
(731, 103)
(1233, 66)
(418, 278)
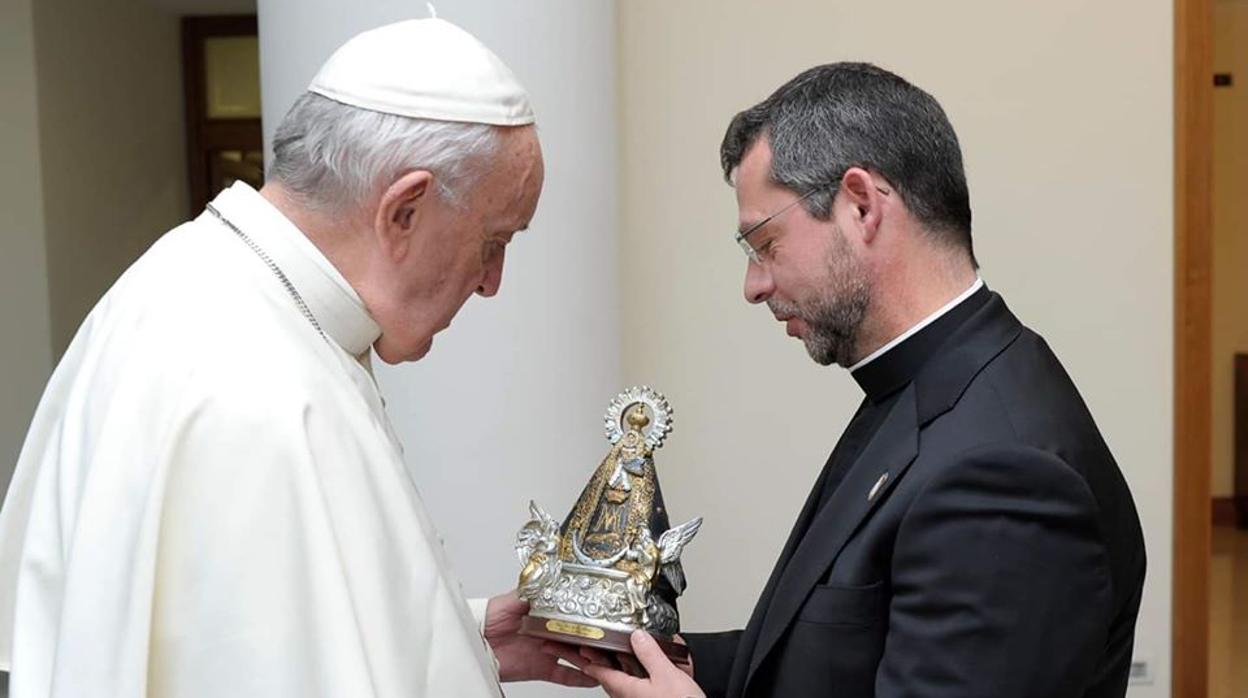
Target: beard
(833, 315)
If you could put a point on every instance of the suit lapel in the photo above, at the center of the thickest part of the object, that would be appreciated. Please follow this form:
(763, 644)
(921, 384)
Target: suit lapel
(890, 451)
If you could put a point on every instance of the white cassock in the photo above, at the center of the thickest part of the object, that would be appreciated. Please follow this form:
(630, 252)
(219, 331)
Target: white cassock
(211, 501)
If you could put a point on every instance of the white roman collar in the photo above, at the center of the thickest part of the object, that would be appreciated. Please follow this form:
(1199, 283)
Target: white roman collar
(332, 301)
(979, 283)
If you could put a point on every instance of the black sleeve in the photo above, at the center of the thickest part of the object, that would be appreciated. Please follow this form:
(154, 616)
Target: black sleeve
(712, 659)
(1000, 582)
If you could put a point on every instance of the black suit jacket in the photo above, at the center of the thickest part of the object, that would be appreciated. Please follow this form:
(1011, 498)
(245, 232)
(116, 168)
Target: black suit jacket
(1002, 555)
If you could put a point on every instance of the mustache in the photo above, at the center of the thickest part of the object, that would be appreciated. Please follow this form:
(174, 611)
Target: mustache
(782, 309)
(822, 320)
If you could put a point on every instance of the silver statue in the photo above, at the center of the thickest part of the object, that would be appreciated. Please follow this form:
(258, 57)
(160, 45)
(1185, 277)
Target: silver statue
(602, 571)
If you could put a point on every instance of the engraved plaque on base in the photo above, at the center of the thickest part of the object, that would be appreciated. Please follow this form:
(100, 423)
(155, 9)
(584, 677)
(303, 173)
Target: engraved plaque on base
(613, 565)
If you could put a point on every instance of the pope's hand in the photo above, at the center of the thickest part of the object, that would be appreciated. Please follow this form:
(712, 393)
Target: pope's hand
(520, 658)
(666, 680)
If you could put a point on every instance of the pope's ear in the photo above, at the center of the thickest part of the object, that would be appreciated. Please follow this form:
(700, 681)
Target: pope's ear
(399, 211)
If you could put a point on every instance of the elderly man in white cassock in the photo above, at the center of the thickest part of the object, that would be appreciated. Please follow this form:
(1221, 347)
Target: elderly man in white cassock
(211, 500)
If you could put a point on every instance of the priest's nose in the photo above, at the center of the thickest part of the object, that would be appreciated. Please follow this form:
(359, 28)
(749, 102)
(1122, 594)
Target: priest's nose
(759, 285)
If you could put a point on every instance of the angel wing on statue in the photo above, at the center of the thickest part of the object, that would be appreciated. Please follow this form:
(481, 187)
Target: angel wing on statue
(671, 543)
(537, 544)
(674, 540)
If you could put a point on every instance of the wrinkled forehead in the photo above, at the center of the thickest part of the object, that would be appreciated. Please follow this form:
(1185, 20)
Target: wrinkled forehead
(534, 170)
(517, 174)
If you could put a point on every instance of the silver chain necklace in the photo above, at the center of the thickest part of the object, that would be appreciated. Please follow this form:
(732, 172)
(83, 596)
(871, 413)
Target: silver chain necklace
(277, 271)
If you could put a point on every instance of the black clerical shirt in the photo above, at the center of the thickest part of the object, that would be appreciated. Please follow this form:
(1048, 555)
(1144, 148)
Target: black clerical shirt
(882, 379)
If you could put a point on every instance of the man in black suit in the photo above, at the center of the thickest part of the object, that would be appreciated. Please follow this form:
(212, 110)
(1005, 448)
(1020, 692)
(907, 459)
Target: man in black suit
(971, 534)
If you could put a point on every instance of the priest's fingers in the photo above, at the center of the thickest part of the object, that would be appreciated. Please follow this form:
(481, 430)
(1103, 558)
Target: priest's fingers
(665, 676)
(649, 652)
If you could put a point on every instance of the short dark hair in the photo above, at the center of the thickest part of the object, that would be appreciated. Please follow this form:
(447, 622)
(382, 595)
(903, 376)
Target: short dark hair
(841, 115)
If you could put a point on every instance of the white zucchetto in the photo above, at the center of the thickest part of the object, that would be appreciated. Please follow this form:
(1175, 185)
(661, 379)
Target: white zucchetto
(427, 69)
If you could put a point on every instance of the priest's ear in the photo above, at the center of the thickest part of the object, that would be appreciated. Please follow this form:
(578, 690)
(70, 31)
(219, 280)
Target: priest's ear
(399, 211)
(866, 198)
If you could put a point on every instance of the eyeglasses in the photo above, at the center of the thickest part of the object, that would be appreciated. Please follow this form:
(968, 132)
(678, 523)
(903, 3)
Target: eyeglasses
(754, 254)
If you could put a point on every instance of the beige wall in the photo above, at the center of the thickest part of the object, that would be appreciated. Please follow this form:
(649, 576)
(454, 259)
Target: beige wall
(1065, 116)
(26, 349)
(1230, 230)
(110, 111)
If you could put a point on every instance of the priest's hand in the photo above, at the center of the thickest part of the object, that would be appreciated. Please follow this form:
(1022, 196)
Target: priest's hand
(520, 658)
(666, 680)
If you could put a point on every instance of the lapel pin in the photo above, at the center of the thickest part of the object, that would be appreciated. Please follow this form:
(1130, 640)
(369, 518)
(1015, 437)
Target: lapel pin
(875, 489)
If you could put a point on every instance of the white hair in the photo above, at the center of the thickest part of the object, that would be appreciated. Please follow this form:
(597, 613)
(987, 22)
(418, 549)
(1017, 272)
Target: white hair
(335, 156)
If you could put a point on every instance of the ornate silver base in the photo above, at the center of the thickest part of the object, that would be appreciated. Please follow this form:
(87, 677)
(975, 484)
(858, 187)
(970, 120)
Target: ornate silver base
(598, 596)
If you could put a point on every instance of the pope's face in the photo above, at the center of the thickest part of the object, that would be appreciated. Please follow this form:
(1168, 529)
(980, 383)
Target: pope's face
(458, 249)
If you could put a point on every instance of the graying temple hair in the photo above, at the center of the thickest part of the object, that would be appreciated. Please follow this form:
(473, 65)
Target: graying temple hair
(335, 156)
(841, 115)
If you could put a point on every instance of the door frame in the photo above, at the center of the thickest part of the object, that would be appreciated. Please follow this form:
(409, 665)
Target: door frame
(1193, 222)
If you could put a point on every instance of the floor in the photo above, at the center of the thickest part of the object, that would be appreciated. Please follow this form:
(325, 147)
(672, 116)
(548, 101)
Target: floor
(1228, 632)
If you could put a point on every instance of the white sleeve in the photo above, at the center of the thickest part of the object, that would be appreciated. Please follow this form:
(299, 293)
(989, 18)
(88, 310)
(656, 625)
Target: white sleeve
(478, 606)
